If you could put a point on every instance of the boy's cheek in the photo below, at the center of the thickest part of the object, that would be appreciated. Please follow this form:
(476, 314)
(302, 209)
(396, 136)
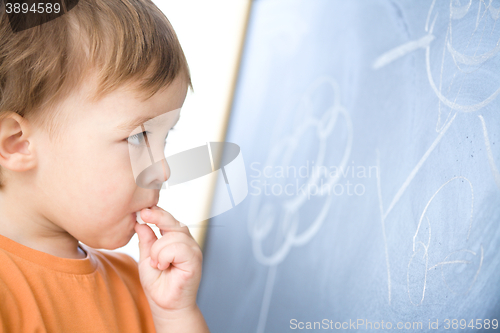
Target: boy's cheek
(108, 186)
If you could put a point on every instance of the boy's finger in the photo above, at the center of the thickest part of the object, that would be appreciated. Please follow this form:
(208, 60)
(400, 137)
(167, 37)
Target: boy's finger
(179, 254)
(147, 238)
(169, 238)
(163, 219)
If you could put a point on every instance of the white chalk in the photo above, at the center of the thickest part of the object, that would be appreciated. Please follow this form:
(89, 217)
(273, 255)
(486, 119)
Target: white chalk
(138, 217)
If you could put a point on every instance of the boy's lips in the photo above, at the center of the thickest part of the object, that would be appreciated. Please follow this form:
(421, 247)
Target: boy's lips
(151, 205)
(137, 217)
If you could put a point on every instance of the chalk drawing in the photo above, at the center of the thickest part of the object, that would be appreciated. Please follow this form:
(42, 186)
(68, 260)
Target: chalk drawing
(426, 246)
(262, 216)
(425, 42)
(457, 12)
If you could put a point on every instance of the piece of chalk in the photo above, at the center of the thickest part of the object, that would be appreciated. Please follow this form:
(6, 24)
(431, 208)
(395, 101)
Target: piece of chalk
(138, 217)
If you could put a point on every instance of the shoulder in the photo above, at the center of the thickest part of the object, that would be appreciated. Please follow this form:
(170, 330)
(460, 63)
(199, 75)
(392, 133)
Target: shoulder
(16, 303)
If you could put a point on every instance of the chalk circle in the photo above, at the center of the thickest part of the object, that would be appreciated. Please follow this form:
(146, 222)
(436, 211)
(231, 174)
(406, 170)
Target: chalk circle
(260, 219)
(462, 59)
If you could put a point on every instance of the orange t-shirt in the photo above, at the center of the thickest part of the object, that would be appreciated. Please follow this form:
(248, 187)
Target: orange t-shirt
(40, 292)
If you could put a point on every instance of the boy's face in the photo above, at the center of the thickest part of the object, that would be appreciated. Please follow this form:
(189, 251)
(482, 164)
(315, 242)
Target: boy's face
(85, 180)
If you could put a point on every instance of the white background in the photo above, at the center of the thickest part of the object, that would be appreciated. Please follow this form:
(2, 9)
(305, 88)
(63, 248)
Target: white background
(211, 34)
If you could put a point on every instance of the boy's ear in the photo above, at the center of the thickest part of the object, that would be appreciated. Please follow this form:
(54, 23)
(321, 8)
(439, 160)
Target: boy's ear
(16, 154)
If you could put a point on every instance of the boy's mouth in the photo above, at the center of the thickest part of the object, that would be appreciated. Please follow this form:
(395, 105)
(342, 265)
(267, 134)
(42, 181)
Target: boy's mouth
(137, 215)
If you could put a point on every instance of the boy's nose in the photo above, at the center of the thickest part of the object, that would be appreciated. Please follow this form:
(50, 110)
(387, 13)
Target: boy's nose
(154, 176)
(153, 156)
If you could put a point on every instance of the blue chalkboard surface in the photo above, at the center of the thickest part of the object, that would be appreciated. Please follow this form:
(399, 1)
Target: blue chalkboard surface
(370, 132)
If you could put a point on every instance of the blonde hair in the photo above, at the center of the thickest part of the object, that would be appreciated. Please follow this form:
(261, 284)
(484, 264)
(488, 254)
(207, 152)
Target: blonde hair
(120, 41)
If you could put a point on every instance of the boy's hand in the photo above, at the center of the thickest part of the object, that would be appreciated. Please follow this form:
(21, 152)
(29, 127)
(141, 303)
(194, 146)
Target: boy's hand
(169, 267)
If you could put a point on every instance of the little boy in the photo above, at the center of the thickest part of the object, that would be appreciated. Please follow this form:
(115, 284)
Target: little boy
(72, 90)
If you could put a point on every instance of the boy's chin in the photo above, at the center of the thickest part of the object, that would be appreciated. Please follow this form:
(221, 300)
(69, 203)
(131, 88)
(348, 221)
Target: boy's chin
(111, 244)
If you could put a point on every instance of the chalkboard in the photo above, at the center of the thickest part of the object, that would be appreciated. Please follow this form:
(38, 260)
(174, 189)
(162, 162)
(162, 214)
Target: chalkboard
(370, 132)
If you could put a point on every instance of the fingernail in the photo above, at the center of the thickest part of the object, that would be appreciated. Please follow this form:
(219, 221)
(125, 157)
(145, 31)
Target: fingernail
(159, 266)
(146, 212)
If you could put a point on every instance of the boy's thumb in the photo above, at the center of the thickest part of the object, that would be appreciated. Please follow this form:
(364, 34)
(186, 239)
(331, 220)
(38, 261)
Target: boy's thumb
(146, 239)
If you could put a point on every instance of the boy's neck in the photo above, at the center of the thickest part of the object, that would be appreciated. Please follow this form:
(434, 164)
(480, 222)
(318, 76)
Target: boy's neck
(66, 248)
(33, 230)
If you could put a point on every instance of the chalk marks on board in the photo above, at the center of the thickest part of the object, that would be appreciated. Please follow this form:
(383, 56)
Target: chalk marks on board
(465, 64)
(402, 50)
(416, 282)
(493, 166)
(385, 212)
(263, 215)
(448, 261)
(460, 59)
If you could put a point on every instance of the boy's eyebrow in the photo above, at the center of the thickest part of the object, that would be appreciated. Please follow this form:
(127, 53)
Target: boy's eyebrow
(129, 126)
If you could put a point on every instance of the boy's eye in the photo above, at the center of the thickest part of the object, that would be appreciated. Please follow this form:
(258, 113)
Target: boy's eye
(138, 139)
